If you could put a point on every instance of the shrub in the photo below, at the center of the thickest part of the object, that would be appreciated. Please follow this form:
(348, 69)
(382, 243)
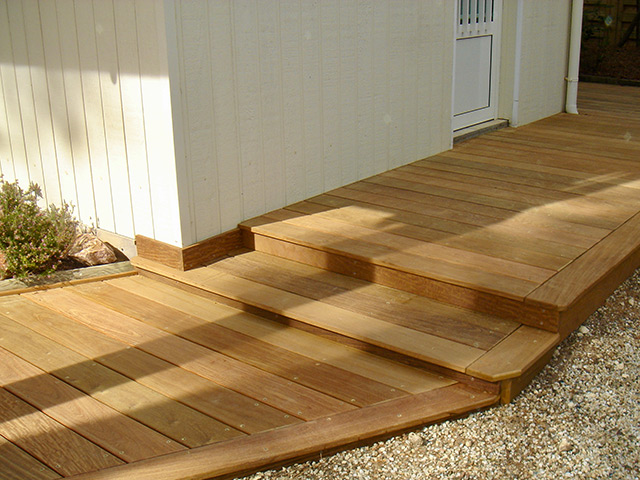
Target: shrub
(33, 240)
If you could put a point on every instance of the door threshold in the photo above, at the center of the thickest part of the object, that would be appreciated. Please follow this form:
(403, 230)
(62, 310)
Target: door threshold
(479, 129)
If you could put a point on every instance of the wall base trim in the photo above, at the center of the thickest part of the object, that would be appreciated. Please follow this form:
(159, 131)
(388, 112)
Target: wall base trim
(186, 258)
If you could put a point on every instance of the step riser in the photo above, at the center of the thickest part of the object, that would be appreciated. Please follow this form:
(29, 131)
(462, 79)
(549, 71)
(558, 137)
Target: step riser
(476, 383)
(430, 288)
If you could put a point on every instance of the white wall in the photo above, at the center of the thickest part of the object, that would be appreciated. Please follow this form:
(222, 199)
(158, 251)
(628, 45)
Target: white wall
(280, 101)
(85, 110)
(545, 46)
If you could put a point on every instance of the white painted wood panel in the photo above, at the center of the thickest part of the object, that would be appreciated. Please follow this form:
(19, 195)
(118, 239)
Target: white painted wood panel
(137, 162)
(178, 119)
(225, 142)
(330, 94)
(348, 92)
(307, 96)
(196, 76)
(170, 212)
(12, 139)
(62, 159)
(249, 106)
(77, 80)
(5, 145)
(28, 168)
(292, 98)
(544, 58)
(74, 98)
(270, 59)
(109, 78)
(94, 115)
(40, 93)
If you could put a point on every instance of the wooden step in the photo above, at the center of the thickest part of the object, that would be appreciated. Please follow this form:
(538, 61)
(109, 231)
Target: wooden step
(466, 345)
(452, 275)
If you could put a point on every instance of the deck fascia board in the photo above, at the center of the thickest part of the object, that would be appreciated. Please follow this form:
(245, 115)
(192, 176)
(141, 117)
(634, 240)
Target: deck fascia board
(317, 437)
(596, 273)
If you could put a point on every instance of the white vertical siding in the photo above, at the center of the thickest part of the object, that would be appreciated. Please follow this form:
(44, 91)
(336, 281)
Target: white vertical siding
(85, 110)
(545, 41)
(283, 100)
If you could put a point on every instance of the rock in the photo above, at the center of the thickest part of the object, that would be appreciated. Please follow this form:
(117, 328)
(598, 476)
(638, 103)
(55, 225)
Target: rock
(583, 329)
(415, 439)
(90, 250)
(3, 265)
(565, 445)
(632, 302)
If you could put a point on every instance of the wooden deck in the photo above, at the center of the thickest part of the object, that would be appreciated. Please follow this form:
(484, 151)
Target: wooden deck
(411, 297)
(101, 376)
(536, 224)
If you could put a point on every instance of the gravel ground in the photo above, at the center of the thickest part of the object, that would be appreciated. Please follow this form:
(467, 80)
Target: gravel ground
(580, 418)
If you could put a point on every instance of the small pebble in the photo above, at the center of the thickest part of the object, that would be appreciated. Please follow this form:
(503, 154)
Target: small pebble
(415, 439)
(565, 445)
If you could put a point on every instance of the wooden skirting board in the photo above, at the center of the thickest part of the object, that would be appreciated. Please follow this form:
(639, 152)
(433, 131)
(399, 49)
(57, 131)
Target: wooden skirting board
(186, 258)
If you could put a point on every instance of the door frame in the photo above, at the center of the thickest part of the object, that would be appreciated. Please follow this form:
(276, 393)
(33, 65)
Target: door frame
(468, 119)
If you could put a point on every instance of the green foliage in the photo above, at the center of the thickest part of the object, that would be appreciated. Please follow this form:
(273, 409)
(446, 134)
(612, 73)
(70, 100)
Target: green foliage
(33, 240)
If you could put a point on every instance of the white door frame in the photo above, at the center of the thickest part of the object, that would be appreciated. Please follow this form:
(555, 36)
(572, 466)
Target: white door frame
(480, 20)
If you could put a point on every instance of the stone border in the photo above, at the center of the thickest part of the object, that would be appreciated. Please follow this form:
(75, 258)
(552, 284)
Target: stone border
(12, 286)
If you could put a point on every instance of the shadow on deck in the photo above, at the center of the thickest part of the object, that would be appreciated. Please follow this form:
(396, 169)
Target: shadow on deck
(411, 297)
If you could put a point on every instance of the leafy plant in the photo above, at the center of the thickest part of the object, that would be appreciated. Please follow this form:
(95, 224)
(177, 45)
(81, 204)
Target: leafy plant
(33, 240)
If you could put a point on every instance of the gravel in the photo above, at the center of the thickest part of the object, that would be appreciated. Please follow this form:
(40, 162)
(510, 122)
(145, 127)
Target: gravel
(579, 418)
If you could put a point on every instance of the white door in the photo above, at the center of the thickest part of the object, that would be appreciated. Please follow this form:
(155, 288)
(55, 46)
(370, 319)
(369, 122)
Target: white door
(477, 51)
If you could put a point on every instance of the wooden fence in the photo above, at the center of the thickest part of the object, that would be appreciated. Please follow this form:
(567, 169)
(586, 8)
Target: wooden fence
(611, 19)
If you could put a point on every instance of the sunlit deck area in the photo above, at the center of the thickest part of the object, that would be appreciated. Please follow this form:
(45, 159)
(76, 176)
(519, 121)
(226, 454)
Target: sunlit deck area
(411, 297)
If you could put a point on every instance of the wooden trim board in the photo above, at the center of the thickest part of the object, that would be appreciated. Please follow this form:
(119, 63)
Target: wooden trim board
(186, 258)
(96, 273)
(286, 445)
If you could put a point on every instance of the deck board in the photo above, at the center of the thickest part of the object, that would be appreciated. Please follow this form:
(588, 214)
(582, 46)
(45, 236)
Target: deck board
(371, 251)
(62, 449)
(164, 377)
(294, 399)
(385, 212)
(114, 431)
(435, 243)
(16, 464)
(527, 178)
(110, 387)
(426, 347)
(429, 317)
(413, 246)
(515, 355)
(331, 380)
(298, 341)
